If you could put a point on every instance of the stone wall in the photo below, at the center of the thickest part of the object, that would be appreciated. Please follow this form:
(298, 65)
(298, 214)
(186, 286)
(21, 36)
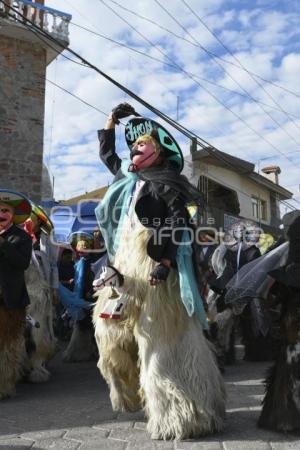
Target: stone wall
(22, 98)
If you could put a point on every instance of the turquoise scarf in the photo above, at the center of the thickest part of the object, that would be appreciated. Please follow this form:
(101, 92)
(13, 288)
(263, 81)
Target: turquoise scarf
(111, 211)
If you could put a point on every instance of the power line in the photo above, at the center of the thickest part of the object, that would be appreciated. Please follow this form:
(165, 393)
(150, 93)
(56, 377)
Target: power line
(197, 45)
(146, 55)
(76, 96)
(97, 109)
(203, 87)
(238, 61)
(226, 72)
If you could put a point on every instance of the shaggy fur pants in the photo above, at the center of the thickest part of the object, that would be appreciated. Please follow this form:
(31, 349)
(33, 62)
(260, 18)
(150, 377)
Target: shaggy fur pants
(157, 356)
(12, 348)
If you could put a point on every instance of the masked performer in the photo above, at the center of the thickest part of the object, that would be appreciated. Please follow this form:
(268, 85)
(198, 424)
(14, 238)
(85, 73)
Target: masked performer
(15, 254)
(152, 347)
(238, 250)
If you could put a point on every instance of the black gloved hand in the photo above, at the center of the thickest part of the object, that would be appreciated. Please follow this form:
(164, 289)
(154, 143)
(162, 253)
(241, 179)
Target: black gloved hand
(160, 272)
(122, 110)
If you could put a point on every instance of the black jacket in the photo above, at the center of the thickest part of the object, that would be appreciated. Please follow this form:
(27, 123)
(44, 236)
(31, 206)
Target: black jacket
(152, 208)
(15, 255)
(247, 255)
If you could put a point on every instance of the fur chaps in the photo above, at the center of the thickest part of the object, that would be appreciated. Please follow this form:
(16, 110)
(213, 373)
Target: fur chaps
(12, 349)
(157, 356)
(41, 309)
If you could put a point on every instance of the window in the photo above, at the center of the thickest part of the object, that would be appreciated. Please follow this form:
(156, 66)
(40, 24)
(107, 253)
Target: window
(259, 208)
(263, 210)
(218, 196)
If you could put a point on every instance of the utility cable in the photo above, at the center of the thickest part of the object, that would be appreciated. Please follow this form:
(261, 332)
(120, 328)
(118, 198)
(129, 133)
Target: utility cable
(289, 91)
(153, 58)
(203, 87)
(106, 114)
(238, 61)
(227, 73)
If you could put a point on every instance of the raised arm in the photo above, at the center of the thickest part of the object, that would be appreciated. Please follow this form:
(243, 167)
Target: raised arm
(107, 137)
(107, 149)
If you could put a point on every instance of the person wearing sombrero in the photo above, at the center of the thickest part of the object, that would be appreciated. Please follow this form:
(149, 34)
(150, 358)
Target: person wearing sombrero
(42, 283)
(15, 254)
(281, 404)
(152, 346)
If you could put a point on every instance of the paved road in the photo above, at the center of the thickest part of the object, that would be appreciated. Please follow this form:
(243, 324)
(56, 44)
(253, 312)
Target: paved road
(72, 411)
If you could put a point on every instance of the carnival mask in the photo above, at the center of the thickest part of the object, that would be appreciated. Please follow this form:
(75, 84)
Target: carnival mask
(6, 216)
(144, 153)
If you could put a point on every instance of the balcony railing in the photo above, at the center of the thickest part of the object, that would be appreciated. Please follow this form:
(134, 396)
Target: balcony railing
(56, 23)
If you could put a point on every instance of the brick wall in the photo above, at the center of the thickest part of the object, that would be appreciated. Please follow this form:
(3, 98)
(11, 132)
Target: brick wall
(22, 92)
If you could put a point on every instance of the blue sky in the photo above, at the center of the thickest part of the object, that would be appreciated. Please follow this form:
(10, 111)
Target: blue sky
(262, 36)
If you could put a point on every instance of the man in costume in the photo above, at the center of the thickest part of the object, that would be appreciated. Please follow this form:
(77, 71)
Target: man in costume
(15, 254)
(238, 249)
(152, 348)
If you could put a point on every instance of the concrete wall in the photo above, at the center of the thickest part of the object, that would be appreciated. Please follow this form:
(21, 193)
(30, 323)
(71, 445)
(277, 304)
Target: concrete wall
(22, 92)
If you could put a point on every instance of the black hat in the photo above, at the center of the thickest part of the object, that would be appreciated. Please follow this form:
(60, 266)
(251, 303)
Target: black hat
(139, 126)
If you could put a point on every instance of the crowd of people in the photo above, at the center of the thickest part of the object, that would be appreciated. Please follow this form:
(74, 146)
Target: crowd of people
(160, 310)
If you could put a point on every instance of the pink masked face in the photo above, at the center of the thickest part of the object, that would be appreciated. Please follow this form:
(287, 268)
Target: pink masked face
(144, 154)
(6, 216)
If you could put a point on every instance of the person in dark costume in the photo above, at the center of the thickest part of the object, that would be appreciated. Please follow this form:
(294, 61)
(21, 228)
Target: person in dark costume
(281, 404)
(15, 255)
(154, 337)
(238, 250)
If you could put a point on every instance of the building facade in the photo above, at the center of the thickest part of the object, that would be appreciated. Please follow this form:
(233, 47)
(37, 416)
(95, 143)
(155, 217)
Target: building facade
(232, 190)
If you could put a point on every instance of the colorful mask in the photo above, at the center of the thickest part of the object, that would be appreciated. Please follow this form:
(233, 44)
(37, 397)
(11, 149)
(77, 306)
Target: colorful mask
(140, 127)
(6, 216)
(144, 152)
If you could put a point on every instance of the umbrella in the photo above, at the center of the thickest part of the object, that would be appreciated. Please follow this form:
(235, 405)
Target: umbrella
(68, 219)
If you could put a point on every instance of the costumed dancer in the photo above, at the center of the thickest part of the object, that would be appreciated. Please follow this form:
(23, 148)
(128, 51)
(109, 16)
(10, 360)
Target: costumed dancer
(281, 404)
(154, 353)
(238, 249)
(15, 254)
(78, 302)
(42, 284)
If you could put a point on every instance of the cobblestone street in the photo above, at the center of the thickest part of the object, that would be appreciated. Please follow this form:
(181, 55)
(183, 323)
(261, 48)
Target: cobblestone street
(73, 411)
